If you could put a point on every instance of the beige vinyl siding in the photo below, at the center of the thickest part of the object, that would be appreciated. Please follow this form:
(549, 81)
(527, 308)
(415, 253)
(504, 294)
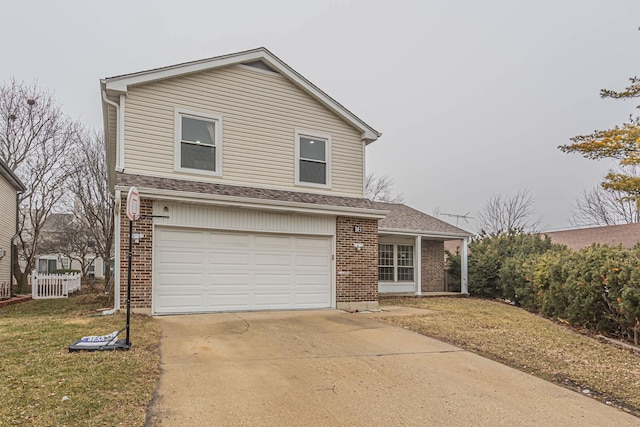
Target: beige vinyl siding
(260, 113)
(7, 226)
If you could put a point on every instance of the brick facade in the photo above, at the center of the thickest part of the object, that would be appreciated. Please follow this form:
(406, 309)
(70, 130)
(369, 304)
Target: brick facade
(356, 270)
(142, 257)
(433, 266)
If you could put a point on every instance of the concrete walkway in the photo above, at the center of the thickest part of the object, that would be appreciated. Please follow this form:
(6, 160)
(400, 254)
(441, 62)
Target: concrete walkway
(330, 368)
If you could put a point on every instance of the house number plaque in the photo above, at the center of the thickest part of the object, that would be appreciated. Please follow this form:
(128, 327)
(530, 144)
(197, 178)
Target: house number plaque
(357, 229)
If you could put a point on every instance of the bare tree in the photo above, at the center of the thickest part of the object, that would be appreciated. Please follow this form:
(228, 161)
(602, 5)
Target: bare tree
(599, 207)
(94, 204)
(380, 189)
(503, 214)
(63, 235)
(34, 139)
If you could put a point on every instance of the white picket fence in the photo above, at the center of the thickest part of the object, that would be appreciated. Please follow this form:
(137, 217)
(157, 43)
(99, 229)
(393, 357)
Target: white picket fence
(54, 285)
(5, 290)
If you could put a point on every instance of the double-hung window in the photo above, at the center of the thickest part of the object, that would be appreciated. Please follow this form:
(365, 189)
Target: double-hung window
(198, 142)
(395, 263)
(313, 167)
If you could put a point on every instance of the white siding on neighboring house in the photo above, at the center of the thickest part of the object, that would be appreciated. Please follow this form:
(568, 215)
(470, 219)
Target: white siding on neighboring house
(260, 113)
(7, 226)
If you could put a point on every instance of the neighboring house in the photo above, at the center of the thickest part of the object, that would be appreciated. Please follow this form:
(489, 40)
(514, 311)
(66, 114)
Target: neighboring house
(627, 235)
(10, 187)
(61, 229)
(261, 176)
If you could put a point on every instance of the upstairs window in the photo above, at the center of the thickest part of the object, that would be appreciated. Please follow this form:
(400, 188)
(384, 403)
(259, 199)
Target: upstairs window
(198, 143)
(312, 160)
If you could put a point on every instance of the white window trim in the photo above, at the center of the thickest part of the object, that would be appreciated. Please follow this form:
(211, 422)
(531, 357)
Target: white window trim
(396, 266)
(179, 113)
(327, 148)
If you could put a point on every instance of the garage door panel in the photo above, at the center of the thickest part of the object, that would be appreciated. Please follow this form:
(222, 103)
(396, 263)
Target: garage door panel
(185, 280)
(304, 261)
(229, 240)
(208, 271)
(280, 260)
(274, 280)
(272, 242)
(171, 237)
(227, 279)
(314, 245)
(229, 259)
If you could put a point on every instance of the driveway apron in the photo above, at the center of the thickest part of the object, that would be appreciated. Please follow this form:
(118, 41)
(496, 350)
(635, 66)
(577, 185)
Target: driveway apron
(330, 368)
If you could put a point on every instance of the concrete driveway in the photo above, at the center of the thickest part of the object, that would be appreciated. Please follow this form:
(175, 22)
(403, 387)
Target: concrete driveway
(332, 368)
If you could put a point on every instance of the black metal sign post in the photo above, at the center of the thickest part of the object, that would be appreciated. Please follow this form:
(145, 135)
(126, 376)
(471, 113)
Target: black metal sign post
(111, 341)
(130, 256)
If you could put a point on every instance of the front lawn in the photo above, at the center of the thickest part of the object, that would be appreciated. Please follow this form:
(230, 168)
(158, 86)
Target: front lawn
(42, 384)
(530, 343)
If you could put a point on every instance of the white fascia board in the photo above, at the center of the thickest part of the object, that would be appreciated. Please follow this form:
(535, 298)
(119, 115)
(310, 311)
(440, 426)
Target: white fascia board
(121, 83)
(251, 203)
(432, 234)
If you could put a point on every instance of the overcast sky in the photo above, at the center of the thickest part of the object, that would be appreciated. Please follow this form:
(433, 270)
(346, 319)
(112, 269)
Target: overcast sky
(472, 97)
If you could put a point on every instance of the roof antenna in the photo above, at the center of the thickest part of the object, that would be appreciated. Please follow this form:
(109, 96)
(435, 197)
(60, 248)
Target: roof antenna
(458, 217)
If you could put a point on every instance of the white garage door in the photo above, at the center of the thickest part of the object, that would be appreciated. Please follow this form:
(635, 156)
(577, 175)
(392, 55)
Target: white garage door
(204, 271)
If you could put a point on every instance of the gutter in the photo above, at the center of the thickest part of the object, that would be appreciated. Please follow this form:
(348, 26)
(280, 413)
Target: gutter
(433, 234)
(13, 245)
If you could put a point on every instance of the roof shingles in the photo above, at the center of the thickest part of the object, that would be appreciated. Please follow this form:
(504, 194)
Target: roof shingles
(400, 217)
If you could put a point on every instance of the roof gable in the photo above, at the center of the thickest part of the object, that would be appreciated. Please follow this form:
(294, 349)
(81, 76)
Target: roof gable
(402, 218)
(260, 57)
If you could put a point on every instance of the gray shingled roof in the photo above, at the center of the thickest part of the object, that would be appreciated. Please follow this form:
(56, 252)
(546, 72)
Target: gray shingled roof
(403, 217)
(128, 180)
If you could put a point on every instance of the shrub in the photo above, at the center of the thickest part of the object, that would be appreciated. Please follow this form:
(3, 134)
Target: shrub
(496, 263)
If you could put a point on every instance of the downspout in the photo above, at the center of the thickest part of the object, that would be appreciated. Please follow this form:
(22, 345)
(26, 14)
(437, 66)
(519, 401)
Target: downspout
(116, 250)
(118, 167)
(13, 245)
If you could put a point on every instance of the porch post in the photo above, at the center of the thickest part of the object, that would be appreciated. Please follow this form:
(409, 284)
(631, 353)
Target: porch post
(464, 285)
(418, 265)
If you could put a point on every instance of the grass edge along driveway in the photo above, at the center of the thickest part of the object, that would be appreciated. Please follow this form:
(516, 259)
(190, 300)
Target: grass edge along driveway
(530, 343)
(41, 383)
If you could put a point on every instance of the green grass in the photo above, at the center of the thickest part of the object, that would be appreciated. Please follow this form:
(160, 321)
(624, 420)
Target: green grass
(530, 343)
(37, 371)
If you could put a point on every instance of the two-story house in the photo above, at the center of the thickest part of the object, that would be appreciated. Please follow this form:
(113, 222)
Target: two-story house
(10, 187)
(261, 176)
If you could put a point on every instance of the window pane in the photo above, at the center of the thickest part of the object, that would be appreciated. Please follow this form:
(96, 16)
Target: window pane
(405, 274)
(313, 149)
(385, 274)
(198, 131)
(42, 266)
(405, 256)
(198, 157)
(313, 172)
(385, 255)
